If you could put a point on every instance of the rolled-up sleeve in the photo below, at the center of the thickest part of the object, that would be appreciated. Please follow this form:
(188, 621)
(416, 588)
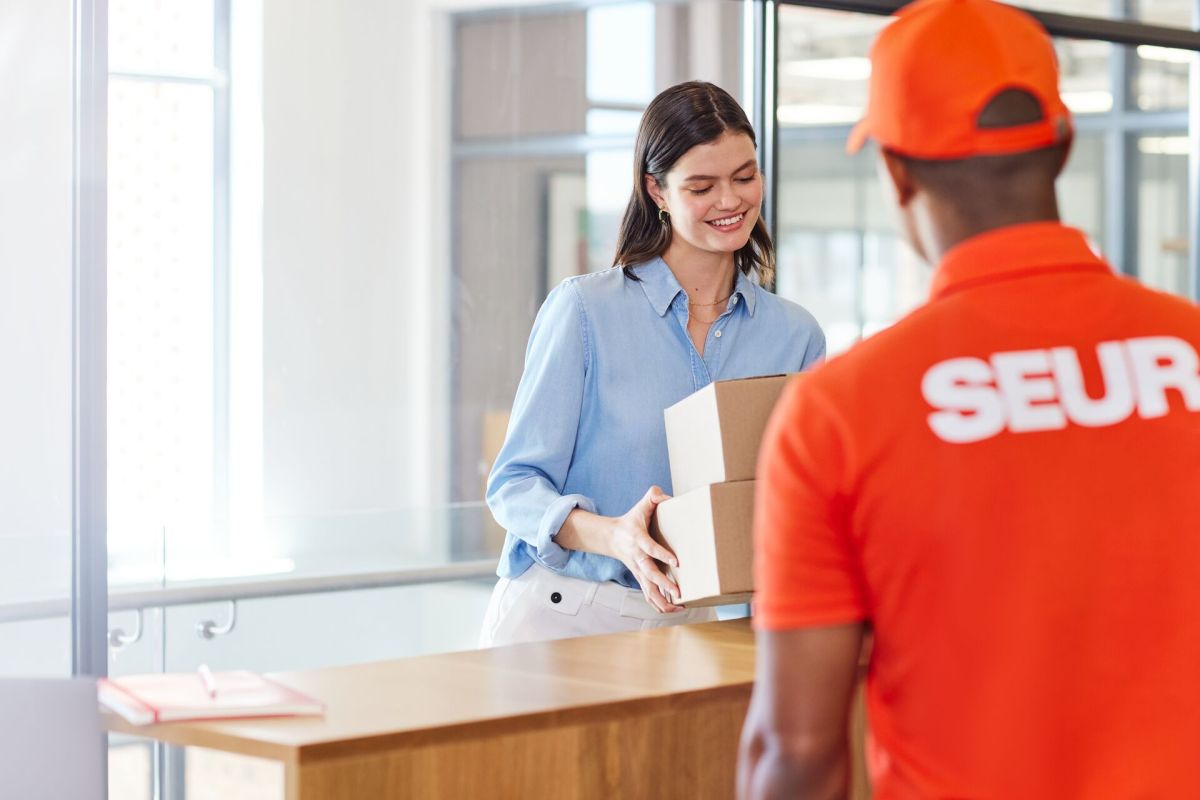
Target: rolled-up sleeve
(526, 485)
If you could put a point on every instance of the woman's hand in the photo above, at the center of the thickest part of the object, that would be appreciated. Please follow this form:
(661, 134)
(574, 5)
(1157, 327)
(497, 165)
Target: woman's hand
(632, 545)
(627, 539)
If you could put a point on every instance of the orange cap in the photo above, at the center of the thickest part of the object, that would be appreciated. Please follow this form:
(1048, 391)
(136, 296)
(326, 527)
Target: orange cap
(936, 67)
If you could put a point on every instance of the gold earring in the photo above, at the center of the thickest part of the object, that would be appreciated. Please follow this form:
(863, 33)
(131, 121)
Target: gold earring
(664, 216)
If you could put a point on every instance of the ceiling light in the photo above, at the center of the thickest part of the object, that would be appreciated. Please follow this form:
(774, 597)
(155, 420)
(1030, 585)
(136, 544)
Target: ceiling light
(1089, 102)
(849, 68)
(818, 114)
(1164, 145)
(1171, 55)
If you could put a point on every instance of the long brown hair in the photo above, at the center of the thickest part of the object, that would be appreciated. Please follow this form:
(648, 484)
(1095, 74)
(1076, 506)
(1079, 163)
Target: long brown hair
(677, 120)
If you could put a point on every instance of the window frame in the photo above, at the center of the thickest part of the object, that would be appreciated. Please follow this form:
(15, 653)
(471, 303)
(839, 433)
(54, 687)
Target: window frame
(218, 79)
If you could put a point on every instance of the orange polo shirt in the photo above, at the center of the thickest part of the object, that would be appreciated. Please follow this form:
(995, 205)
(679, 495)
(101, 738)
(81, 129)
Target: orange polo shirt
(1006, 486)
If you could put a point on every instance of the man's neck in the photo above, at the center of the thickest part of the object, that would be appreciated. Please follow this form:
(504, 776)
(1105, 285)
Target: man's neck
(947, 226)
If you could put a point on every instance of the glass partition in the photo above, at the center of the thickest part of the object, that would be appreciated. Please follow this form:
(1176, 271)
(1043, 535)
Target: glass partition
(1125, 184)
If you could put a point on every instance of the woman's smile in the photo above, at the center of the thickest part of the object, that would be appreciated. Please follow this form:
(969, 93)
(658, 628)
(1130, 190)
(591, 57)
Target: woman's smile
(728, 224)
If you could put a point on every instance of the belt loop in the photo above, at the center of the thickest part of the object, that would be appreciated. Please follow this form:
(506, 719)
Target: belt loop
(610, 595)
(590, 595)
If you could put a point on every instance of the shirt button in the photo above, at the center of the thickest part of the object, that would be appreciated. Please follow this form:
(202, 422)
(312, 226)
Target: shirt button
(735, 299)
(556, 598)
(717, 334)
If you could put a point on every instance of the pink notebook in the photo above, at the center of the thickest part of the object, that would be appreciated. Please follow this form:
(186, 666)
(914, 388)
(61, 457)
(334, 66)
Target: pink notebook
(175, 696)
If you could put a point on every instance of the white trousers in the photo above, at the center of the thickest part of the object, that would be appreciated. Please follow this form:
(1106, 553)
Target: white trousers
(540, 605)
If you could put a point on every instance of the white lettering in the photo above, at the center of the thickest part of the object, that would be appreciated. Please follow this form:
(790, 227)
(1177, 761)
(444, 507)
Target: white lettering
(1041, 390)
(971, 408)
(1117, 402)
(1024, 381)
(1161, 363)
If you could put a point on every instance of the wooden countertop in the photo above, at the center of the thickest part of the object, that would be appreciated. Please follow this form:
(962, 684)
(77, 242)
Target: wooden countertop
(414, 701)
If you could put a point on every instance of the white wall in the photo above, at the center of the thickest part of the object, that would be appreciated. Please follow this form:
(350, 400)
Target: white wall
(35, 295)
(355, 263)
(341, 214)
(356, 270)
(35, 267)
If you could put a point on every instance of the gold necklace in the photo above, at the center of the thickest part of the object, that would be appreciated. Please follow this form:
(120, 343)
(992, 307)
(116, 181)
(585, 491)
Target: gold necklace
(693, 318)
(710, 305)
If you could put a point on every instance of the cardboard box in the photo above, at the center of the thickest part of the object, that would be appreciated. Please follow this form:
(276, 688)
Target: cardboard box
(713, 435)
(710, 531)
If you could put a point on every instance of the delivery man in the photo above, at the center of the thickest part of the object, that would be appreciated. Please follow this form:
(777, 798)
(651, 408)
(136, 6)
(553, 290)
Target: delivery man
(1004, 487)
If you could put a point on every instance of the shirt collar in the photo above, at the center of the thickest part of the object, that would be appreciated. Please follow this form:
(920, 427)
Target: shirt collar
(661, 286)
(745, 287)
(1011, 252)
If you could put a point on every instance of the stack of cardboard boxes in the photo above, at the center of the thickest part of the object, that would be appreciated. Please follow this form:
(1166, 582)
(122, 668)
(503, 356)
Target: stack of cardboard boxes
(713, 438)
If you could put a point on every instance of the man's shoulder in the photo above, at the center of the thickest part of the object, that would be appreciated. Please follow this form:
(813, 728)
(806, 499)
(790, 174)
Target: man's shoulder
(881, 371)
(1156, 304)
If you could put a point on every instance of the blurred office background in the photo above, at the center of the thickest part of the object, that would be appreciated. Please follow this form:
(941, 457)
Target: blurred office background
(323, 231)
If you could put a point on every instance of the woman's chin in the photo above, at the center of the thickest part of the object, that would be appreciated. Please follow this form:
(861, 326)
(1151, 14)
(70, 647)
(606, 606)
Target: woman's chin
(729, 244)
(716, 243)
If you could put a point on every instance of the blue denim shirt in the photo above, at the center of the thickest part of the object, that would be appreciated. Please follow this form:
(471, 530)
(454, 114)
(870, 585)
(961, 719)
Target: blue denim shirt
(605, 357)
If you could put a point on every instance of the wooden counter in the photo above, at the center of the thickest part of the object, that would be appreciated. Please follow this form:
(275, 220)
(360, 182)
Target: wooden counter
(654, 714)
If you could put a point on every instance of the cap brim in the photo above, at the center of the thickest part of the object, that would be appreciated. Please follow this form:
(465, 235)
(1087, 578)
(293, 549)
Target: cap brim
(858, 137)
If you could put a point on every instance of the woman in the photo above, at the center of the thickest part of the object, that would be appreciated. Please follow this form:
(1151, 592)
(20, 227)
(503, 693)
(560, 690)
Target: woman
(578, 477)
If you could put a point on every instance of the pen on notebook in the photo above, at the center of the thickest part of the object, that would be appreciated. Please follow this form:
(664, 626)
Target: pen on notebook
(210, 683)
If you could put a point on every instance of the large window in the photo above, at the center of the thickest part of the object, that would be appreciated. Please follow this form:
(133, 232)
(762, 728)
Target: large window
(1172, 13)
(163, 272)
(839, 253)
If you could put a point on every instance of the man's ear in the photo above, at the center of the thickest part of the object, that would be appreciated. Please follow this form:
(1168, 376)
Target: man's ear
(655, 191)
(899, 176)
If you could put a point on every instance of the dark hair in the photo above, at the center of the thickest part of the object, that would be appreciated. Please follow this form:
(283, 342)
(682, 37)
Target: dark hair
(681, 117)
